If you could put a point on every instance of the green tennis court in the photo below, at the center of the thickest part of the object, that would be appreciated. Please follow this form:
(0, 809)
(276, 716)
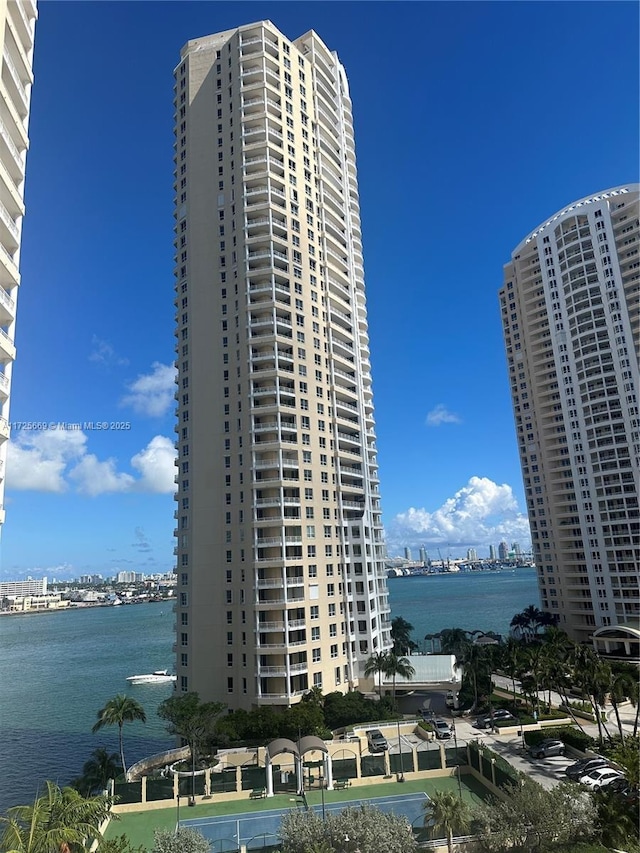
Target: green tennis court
(253, 830)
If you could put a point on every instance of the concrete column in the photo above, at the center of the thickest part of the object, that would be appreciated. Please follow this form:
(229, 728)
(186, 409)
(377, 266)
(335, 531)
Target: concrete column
(387, 763)
(414, 758)
(299, 773)
(328, 771)
(269, 768)
(143, 797)
(207, 782)
(238, 779)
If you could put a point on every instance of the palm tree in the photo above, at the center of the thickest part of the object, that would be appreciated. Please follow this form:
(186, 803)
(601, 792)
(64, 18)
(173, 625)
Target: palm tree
(394, 666)
(476, 665)
(376, 664)
(454, 641)
(97, 771)
(535, 617)
(594, 678)
(59, 821)
(521, 624)
(624, 685)
(117, 712)
(511, 662)
(447, 812)
(401, 636)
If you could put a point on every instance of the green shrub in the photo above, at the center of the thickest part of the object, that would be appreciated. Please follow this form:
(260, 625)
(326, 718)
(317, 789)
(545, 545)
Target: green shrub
(426, 726)
(567, 734)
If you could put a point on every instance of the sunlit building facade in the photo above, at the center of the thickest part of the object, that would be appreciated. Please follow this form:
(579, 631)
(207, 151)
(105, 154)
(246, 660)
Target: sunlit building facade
(571, 321)
(281, 580)
(17, 26)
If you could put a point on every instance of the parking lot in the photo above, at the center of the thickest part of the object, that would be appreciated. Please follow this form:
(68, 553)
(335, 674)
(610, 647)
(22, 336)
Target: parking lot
(547, 771)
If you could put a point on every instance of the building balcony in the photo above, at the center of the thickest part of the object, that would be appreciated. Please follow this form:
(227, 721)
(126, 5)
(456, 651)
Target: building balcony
(7, 348)
(7, 307)
(270, 583)
(10, 155)
(15, 87)
(5, 431)
(9, 232)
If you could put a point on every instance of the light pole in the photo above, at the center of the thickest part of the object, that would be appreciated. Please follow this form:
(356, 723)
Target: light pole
(322, 793)
(192, 798)
(400, 775)
(455, 743)
(178, 808)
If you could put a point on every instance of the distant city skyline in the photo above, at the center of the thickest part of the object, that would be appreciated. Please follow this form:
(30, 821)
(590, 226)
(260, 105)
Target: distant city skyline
(90, 468)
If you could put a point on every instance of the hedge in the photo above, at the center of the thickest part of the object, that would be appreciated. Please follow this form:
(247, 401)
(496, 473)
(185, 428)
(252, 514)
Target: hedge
(570, 736)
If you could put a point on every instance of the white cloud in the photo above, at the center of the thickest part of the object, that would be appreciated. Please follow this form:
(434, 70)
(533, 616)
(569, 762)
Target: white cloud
(156, 464)
(103, 353)
(93, 477)
(58, 461)
(441, 415)
(64, 570)
(482, 513)
(151, 394)
(36, 461)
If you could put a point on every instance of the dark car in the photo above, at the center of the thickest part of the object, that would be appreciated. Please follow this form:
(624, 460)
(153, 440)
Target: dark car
(548, 747)
(584, 766)
(500, 715)
(377, 741)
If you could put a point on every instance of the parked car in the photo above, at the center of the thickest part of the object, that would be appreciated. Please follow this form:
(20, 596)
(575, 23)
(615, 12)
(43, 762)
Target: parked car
(425, 713)
(442, 729)
(547, 747)
(624, 788)
(499, 715)
(600, 778)
(377, 741)
(584, 766)
(450, 699)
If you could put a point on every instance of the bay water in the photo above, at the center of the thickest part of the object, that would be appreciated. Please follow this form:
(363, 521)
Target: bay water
(58, 669)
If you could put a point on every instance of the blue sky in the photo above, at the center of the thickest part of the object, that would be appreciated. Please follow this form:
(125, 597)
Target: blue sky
(474, 123)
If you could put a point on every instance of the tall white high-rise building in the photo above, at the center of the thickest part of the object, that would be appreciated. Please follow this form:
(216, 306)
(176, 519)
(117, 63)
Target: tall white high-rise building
(17, 26)
(571, 320)
(281, 580)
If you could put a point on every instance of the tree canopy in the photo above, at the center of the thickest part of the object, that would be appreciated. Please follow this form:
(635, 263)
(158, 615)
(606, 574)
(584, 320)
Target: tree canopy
(189, 718)
(59, 821)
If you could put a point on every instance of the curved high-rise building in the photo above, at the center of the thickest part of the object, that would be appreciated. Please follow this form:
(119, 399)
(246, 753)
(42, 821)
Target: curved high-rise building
(281, 581)
(571, 320)
(17, 26)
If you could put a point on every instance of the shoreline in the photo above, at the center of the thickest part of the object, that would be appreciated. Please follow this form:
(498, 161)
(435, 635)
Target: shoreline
(75, 606)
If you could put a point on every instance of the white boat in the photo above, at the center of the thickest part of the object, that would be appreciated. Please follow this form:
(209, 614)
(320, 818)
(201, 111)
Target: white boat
(160, 676)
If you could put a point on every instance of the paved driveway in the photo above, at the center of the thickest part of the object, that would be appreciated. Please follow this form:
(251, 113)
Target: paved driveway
(549, 772)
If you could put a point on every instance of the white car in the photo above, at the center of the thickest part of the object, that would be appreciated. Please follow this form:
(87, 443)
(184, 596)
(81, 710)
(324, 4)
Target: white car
(600, 778)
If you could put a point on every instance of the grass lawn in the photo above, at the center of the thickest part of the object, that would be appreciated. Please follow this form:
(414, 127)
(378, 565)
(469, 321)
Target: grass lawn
(139, 826)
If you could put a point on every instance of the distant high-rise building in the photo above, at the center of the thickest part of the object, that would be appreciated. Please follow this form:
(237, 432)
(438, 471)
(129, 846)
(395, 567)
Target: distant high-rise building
(492, 552)
(423, 555)
(281, 578)
(23, 588)
(472, 555)
(407, 554)
(17, 26)
(503, 551)
(571, 321)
